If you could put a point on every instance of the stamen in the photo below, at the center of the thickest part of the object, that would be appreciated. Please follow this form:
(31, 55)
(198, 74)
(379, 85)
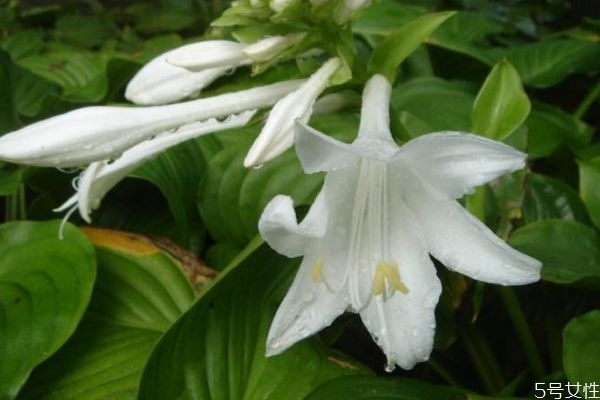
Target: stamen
(317, 270)
(390, 273)
(379, 280)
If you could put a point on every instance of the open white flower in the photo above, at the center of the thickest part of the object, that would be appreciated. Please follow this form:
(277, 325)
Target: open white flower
(367, 238)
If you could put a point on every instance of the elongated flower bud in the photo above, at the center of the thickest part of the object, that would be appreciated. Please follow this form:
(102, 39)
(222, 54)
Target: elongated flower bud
(278, 132)
(160, 82)
(208, 54)
(96, 133)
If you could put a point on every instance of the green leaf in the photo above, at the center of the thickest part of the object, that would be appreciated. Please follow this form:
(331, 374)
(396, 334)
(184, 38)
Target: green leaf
(433, 104)
(388, 56)
(139, 293)
(501, 105)
(45, 286)
(379, 388)
(550, 198)
(581, 351)
(547, 63)
(570, 251)
(549, 127)
(10, 178)
(177, 173)
(589, 187)
(23, 43)
(81, 75)
(383, 17)
(216, 350)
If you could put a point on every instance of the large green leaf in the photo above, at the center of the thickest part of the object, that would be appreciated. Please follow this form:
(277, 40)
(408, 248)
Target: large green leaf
(501, 105)
(438, 105)
(581, 351)
(589, 187)
(549, 127)
(45, 285)
(570, 251)
(388, 55)
(139, 293)
(177, 173)
(547, 63)
(216, 350)
(550, 198)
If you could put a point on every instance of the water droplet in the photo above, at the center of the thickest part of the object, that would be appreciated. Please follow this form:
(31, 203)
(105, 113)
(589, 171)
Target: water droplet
(230, 71)
(88, 146)
(414, 332)
(308, 296)
(257, 166)
(68, 170)
(223, 118)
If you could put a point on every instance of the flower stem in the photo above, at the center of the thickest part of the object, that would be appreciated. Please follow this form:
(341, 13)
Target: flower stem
(483, 358)
(587, 101)
(519, 321)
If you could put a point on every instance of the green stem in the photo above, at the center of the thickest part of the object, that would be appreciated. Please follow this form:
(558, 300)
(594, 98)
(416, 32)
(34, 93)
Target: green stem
(587, 101)
(519, 321)
(483, 359)
(443, 372)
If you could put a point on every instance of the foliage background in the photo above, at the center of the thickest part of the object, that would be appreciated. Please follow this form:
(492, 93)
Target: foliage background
(107, 314)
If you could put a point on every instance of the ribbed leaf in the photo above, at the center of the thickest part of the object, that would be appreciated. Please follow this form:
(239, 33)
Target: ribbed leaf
(139, 293)
(216, 350)
(45, 286)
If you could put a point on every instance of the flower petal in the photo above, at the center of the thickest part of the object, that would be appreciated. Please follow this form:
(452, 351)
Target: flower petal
(318, 152)
(278, 132)
(280, 229)
(268, 48)
(208, 54)
(464, 244)
(101, 176)
(96, 133)
(308, 307)
(160, 82)
(454, 162)
(403, 325)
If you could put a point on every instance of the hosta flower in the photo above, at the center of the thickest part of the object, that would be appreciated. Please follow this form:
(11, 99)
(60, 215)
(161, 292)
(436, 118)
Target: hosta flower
(101, 176)
(383, 210)
(278, 132)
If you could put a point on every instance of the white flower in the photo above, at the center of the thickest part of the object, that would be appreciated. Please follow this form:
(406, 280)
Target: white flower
(161, 82)
(100, 133)
(101, 176)
(343, 13)
(383, 209)
(270, 47)
(277, 134)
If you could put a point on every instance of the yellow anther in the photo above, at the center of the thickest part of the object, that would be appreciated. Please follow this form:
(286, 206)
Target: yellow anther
(379, 280)
(392, 273)
(317, 269)
(387, 271)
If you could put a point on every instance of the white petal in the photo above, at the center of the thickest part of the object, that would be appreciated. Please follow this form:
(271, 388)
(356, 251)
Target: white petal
(268, 48)
(209, 54)
(403, 325)
(307, 308)
(464, 244)
(280, 5)
(318, 152)
(454, 163)
(101, 176)
(278, 132)
(279, 228)
(160, 82)
(95, 133)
